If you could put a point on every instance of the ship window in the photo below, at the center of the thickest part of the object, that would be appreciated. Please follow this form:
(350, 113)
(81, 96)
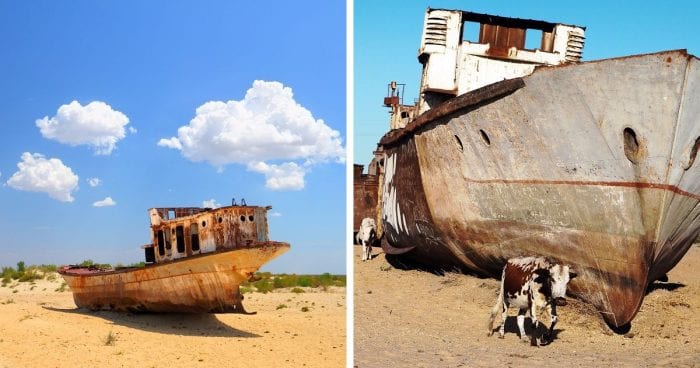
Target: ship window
(161, 243)
(485, 137)
(168, 244)
(693, 154)
(631, 145)
(220, 219)
(459, 143)
(204, 223)
(251, 218)
(171, 214)
(194, 235)
(180, 239)
(150, 255)
(242, 218)
(470, 31)
(533, 39)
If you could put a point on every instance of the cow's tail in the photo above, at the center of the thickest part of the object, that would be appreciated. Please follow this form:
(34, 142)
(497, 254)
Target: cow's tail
(498, 307)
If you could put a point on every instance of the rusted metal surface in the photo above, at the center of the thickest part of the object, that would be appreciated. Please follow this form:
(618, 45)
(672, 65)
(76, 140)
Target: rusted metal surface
(502, 37)
(365, 196)
(197, 260)
(207, 283)
(391, 100)
(542, 170)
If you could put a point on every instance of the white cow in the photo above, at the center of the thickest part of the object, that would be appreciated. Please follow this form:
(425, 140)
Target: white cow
(366, 237)
(530, 284)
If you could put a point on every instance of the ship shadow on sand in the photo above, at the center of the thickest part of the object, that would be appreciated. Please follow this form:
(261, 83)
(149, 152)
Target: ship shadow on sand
(166, 323)
(402, 263)
(663, 285)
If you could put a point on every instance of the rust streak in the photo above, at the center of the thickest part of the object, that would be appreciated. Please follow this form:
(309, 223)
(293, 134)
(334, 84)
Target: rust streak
(625, 184)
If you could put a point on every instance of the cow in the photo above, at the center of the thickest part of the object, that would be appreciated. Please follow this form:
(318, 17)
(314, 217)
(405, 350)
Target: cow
(366, 237)
(531, 284)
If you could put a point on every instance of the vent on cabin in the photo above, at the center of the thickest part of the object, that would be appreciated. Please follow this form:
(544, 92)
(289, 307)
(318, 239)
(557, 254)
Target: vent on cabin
(574, 47)
(436, 31)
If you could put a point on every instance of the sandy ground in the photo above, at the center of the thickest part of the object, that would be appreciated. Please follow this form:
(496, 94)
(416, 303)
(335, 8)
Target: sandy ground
(418, 319)
(40, 327)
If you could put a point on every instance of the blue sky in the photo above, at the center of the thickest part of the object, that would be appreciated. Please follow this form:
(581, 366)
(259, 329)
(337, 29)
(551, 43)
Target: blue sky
(155, 63)
(387, 36)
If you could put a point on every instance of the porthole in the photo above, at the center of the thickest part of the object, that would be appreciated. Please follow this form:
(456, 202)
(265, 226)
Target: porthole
(485, 137)
(459, 144)
(693, 154)
(204, 223)
(631, 145)
(251, 218)
(221, 219)
(242, 218)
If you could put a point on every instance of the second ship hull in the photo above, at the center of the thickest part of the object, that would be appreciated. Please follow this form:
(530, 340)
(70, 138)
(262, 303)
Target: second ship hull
(592, 164)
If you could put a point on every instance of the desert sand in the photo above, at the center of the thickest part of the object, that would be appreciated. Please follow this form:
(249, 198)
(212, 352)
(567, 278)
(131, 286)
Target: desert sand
(414, 318)
(40, 327)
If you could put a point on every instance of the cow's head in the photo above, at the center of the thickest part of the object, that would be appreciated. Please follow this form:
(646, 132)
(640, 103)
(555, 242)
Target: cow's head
(560, 275)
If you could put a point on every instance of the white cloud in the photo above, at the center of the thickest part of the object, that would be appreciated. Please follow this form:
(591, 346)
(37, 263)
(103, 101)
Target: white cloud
(170, 143)
(108, 201)
(268, 124)
(133, 130)
(211, 203)
(287, 176)
(95, 124)
(51, 176)
(275, 214)
(93, 182)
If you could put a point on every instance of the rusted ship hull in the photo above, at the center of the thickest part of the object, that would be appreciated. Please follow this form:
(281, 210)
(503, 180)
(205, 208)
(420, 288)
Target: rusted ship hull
(205, 283)
(592, 164)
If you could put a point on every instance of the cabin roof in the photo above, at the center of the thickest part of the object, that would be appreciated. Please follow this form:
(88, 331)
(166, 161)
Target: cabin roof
(507, 21)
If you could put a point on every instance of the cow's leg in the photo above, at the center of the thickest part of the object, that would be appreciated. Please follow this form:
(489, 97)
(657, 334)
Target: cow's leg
(364, 250)
(549, 335)
(504, 316)
(521, 325)
(535, 303)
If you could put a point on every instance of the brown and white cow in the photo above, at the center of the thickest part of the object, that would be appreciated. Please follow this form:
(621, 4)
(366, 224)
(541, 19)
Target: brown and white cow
(530, 284)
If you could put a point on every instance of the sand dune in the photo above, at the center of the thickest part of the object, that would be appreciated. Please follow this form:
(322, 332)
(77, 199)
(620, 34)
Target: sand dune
(414, 318)
(43, 328)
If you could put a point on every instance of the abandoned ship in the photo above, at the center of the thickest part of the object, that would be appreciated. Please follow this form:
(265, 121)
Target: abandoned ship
(511, 151)
(195, 263)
